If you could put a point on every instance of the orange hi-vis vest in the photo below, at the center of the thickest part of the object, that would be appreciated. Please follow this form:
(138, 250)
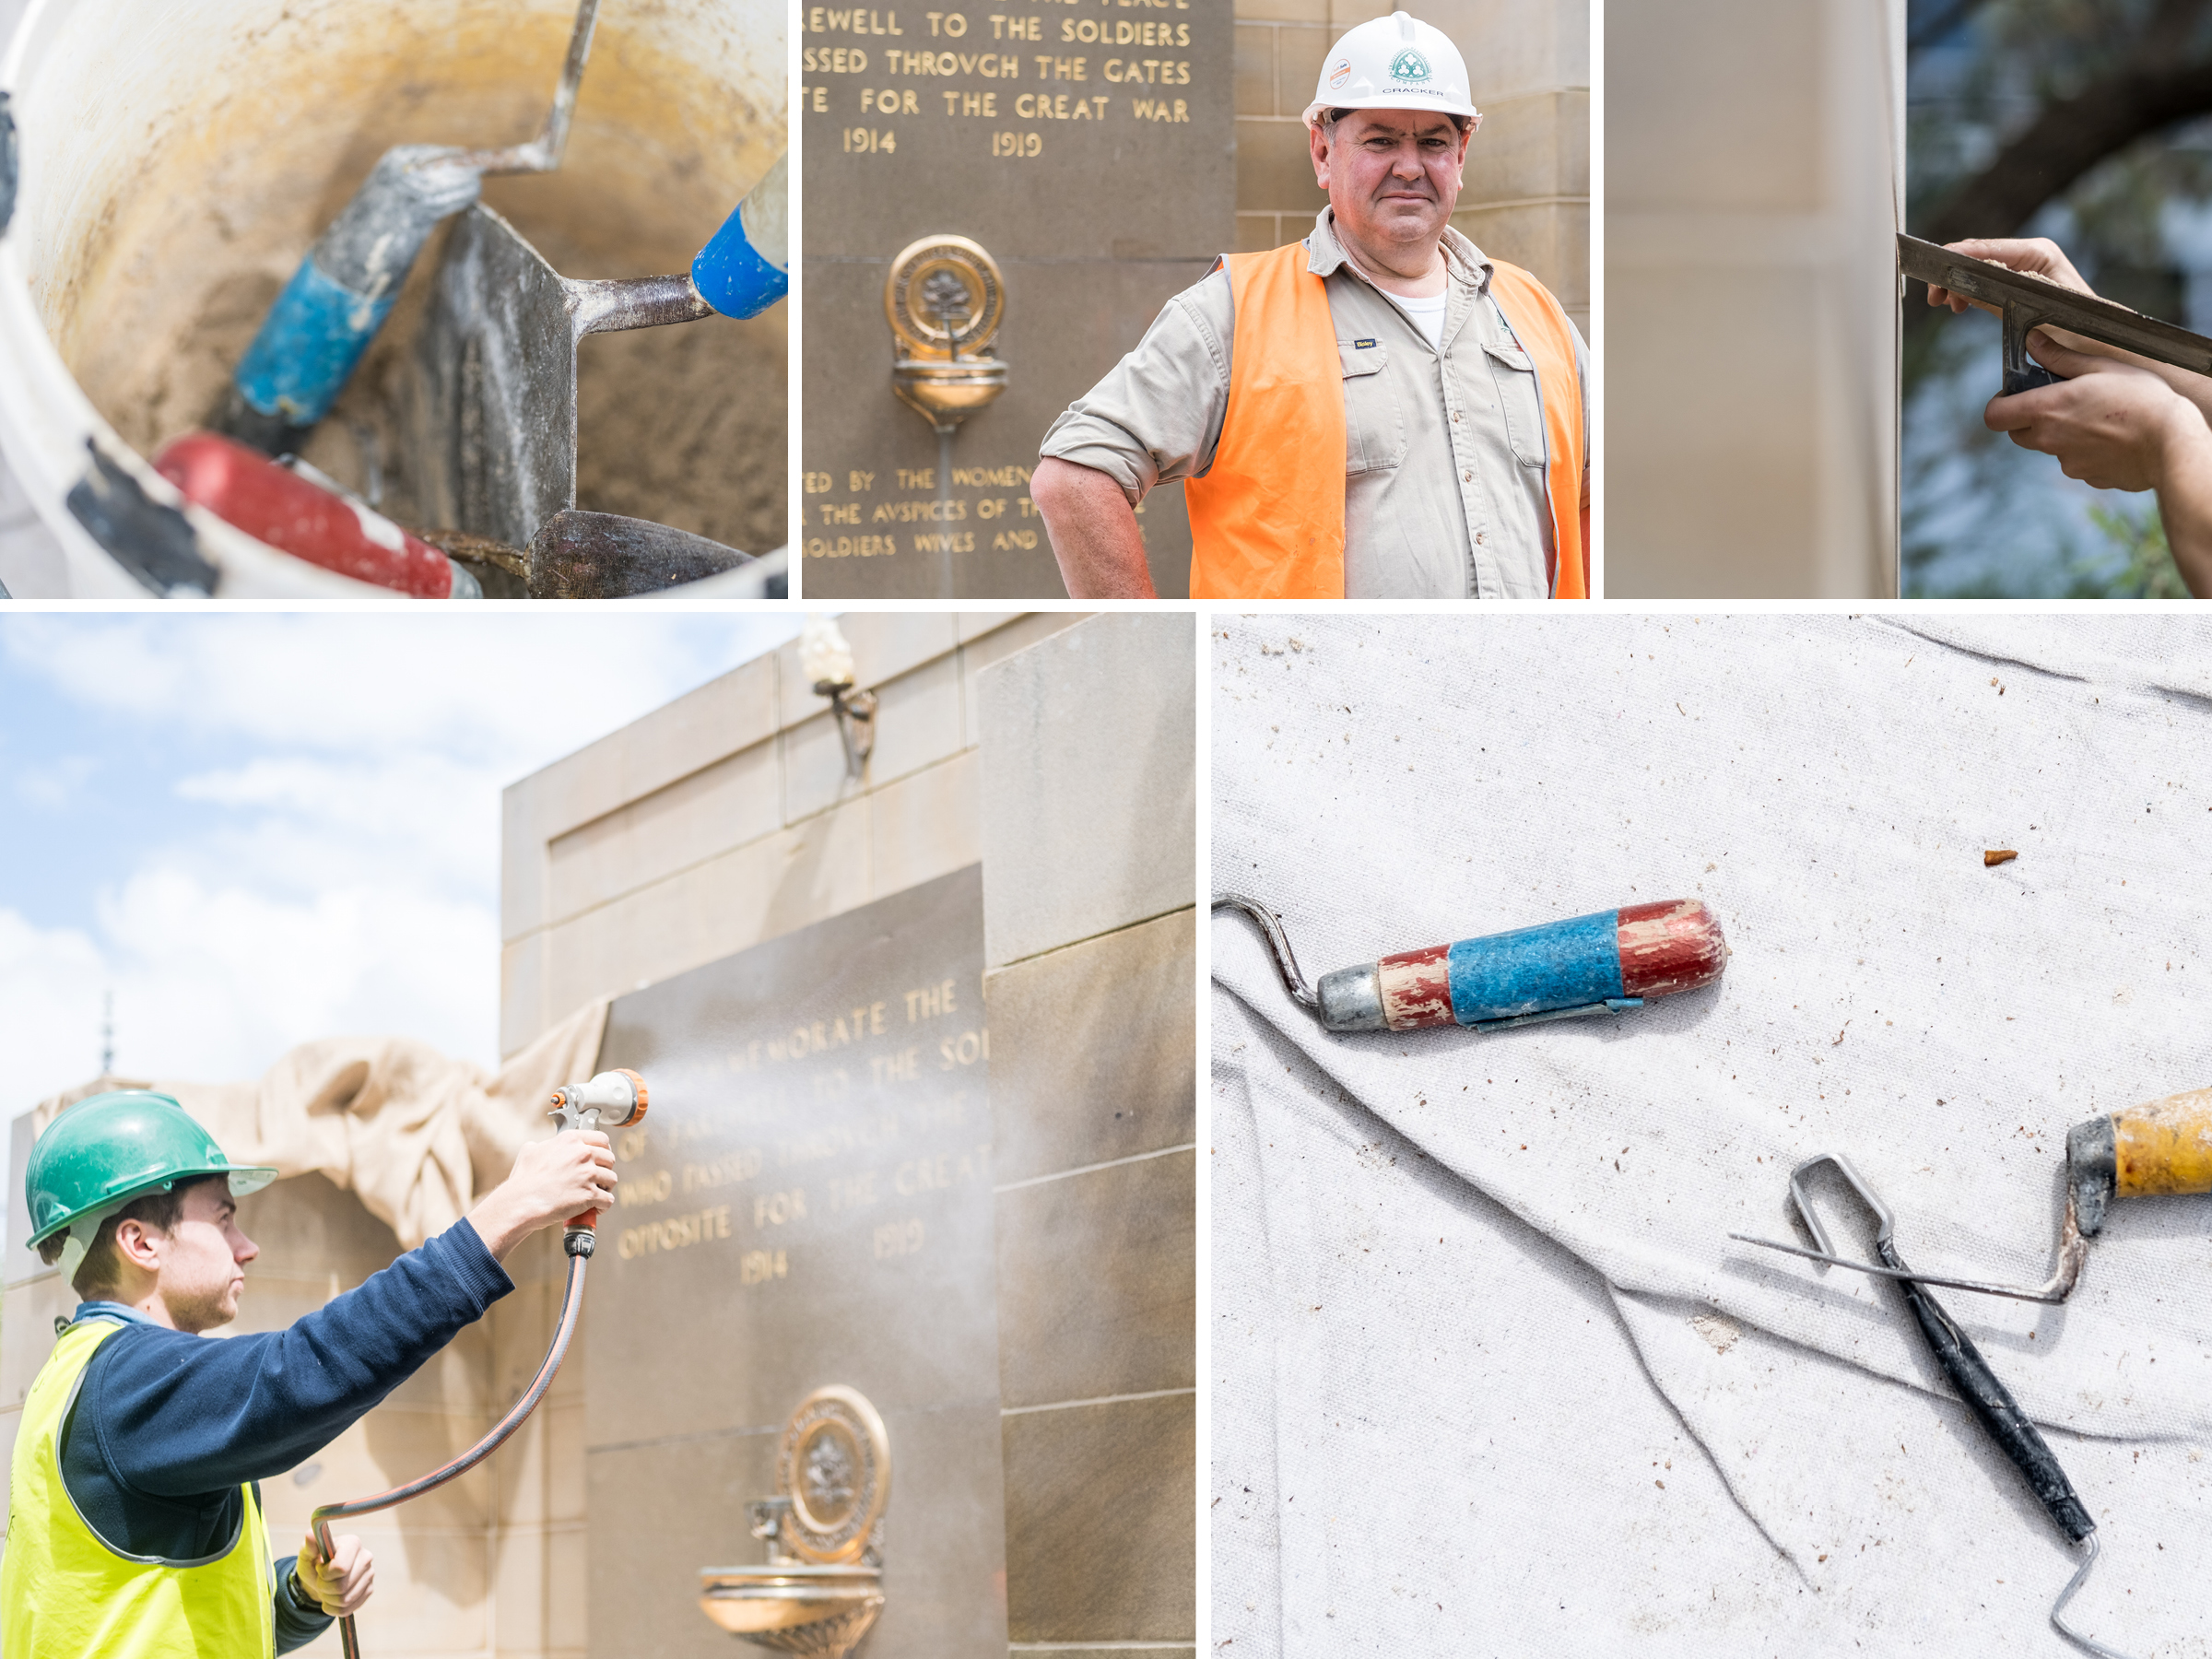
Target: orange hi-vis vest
(1267, 519)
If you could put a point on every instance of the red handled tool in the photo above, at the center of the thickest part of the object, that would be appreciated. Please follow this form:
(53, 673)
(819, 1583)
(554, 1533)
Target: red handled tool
(610, 1101)
(1605, 963)
(298, 516)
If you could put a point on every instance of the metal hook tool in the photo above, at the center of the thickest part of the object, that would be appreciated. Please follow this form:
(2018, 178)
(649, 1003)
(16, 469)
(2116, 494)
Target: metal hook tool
(2073, 1247)
(1605, 963)
(2160, 1149)
(1279, 943)
(1985, 1397)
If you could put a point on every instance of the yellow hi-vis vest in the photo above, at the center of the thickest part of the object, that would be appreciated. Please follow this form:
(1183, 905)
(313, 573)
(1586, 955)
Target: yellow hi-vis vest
(65, 1594)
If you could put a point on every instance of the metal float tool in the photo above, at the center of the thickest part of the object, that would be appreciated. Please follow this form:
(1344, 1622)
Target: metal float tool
(491, 422)
(2024, 302)
(1985, 1397)
(1605, 963)
(2160, 1150)
(610, 1101)
(344, 289)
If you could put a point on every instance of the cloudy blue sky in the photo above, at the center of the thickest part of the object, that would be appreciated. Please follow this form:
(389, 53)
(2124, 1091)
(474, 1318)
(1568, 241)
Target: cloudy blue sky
(256, 830)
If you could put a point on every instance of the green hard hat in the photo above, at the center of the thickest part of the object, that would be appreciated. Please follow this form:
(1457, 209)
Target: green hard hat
(108, 1149)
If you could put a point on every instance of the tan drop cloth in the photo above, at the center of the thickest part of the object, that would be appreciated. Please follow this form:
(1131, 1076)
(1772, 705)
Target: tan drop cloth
(416, 1134)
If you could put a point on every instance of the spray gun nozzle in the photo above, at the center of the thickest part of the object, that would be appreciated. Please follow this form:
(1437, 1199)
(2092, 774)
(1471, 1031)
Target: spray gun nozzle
(613, 1100)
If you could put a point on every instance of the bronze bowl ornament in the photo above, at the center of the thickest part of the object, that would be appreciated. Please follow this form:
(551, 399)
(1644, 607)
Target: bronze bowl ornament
(944, 301)
(821, 1587)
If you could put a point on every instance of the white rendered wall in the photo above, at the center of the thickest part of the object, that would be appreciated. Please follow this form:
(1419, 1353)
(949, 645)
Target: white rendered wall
(1753, 187)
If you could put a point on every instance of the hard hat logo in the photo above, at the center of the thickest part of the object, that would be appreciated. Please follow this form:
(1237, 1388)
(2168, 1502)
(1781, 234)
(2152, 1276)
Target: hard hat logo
(1393, 62)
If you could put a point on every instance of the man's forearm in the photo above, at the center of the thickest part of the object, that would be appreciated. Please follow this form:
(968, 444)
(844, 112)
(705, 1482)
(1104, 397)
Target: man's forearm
(1093, 532)
(179, 1416)
(2185, 507)
(299, 1619)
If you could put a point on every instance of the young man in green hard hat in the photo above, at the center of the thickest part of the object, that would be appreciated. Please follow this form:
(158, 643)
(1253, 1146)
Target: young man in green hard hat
(134, 1521)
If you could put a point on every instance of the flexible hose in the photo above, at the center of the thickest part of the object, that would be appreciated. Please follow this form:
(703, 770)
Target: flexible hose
(571, 1303)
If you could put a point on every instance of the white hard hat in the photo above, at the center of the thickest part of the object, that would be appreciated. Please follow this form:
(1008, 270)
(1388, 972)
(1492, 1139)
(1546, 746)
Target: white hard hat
(1393, 62)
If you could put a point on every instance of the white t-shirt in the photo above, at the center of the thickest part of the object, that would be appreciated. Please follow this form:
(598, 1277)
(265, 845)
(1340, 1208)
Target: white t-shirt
(1428, 315)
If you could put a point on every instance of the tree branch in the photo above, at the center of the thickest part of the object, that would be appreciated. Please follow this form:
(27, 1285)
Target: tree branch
(2065, 141)
(1934, 29)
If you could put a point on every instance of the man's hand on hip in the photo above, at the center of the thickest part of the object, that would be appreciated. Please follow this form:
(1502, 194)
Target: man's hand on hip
(341, 1585)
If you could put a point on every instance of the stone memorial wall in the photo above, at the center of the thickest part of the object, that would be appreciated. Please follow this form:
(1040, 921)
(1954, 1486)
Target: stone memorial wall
(808, 1202)
(1088, 147)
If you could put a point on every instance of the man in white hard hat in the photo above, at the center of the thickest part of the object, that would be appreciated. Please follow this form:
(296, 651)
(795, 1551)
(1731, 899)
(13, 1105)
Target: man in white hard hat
(1452, 385)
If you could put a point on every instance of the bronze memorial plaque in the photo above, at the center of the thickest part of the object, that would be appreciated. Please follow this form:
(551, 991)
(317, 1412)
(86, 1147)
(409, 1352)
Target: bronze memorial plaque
(998, 202)
(807, 1205)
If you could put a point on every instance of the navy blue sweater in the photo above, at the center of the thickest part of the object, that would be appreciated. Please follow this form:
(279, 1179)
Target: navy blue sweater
(166, 1426)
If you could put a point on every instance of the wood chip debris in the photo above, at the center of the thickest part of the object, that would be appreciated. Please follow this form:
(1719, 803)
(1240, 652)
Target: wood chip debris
(1997, 855)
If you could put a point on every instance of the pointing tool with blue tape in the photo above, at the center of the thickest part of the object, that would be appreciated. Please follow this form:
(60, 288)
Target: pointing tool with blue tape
(331, 310)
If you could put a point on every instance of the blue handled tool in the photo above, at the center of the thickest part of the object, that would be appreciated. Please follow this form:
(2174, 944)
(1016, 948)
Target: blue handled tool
(490, 431)
(747, 267)
(1609, 962)
(328, 313)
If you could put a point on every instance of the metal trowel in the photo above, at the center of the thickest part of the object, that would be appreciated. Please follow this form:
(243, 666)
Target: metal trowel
(2024, 302)
(490, 417)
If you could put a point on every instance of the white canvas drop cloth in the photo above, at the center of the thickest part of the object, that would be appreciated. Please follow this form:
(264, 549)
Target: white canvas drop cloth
(1491, 1377)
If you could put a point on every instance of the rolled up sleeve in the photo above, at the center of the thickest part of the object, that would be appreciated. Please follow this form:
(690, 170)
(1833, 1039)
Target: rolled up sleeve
(1157, 417)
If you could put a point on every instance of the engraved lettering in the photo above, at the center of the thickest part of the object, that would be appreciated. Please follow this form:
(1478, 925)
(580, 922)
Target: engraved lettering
(758, 1266)
(774, 1209)
(678, 1233)
(901, 1067)
(823, 19)
(644, 1189)
(898, 1239)
(852, 546)
(726, 1170)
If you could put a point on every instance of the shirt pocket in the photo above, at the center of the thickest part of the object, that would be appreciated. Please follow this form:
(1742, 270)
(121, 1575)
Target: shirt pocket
(1515, 374)
(1375, 425)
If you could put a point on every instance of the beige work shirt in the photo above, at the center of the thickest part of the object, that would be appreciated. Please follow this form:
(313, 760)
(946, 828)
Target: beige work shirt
(1444, 448)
